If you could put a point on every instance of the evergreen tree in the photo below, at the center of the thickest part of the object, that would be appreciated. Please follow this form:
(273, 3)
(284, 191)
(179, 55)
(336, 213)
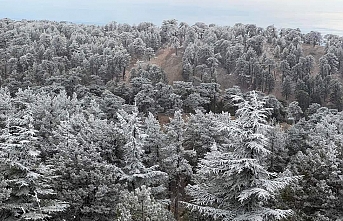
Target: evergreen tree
(200, 133)
(316, 196)
(313, 38)
(175, 161)
(232, 182)
(135, 172)
(175, 43)
(336, 94)
(279, 156)
(26, 190)
(141, 205)
(294, 112)
(287, 87)
(154, 141)
(86, 163)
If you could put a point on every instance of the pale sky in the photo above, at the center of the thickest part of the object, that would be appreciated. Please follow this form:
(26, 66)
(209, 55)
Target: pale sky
(321, 15)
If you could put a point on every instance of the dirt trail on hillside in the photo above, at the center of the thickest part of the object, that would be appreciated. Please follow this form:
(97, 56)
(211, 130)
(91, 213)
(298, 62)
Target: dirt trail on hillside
(167, 60)
(170, 63)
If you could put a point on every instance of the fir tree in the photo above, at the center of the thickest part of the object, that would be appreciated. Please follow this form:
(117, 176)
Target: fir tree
(320, 164)
(232, 182)
(140, 205)
(175, 161)
(85, 161)
(135, 172)
(26, 191)
(154, 141)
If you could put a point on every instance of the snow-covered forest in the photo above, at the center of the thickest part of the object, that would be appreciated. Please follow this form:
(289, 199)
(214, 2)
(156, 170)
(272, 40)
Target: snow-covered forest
(93, 129)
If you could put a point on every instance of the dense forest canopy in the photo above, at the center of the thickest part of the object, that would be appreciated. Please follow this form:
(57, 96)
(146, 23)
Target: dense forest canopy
(177, 122)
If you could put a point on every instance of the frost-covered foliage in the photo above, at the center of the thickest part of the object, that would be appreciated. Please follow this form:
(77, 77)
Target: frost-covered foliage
(141, 205)
(26, 183)
(175, 161)
(232, 182)
(153, 142)
(88, 175)
(320, 164)
(135, 172)
(84, 130)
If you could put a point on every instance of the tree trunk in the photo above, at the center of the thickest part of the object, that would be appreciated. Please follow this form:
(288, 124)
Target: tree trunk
(272, 156)
(124, 73)
(170, 194)
(215, 98)
(339, 65)
(269, 69)
(143, 219)
(177, 185)
(176, 201)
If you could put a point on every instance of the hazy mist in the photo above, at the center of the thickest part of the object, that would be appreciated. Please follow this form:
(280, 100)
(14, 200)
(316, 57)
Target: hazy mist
(324, 16)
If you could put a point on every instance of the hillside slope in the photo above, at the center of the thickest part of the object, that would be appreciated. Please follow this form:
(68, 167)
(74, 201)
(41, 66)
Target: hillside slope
(172, 65)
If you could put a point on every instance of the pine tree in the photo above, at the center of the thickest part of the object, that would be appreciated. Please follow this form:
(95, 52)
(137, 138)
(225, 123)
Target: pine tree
(140, 205)
(232, 182)
(175, 161)
(136, 173)
(26, 191)
(153, 142)
(278, 157)
(294, 112)
(320, 164)
(204, 129)
(85, 160)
